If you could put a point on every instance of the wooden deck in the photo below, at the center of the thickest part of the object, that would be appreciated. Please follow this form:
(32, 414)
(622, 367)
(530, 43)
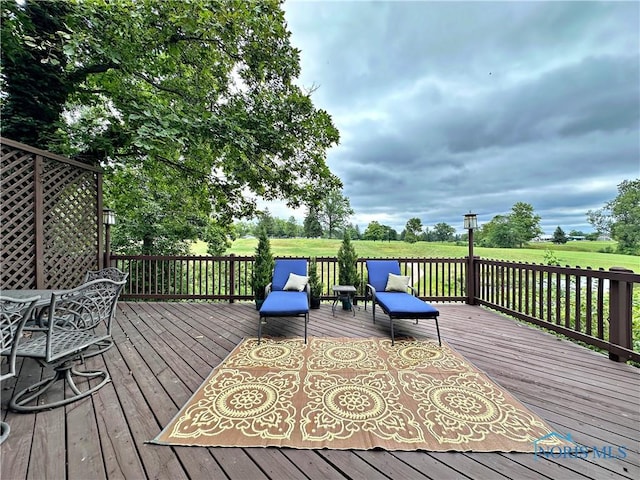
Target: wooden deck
(165, 350)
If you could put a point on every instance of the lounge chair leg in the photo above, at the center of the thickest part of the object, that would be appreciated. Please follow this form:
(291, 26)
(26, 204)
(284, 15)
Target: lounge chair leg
(259, 329)
(306, 321)
(393, 338)
(438, 330)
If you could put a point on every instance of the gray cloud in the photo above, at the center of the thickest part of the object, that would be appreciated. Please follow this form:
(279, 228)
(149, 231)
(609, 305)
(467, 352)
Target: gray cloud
(446, 107)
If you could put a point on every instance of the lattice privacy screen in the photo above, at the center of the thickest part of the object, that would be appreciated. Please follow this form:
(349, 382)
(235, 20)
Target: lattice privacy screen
(49, 218)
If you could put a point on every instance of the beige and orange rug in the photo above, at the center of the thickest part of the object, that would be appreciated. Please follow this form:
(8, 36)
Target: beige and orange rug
(348, 393)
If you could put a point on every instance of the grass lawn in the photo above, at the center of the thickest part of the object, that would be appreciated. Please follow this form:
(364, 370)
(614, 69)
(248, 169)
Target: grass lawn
(582, 254)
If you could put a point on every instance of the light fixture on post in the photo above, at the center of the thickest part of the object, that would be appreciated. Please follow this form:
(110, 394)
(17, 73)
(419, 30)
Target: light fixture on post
(108, 219)
(470, 223)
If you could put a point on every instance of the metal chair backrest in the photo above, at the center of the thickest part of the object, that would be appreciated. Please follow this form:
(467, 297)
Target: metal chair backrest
(14, 313)
(86, 311)
(112, 273)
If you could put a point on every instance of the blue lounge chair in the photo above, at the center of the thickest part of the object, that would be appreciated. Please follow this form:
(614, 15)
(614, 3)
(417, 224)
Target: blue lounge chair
(286, 303)
(397, 304)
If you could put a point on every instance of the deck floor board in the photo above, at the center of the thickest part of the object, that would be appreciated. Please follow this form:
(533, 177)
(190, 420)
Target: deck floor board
(165, 350)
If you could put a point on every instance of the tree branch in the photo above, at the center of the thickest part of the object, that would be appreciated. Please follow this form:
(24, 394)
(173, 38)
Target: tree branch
(158, 86)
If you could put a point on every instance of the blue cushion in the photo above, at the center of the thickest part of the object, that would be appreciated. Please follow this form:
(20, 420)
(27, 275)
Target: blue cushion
(283, 268)
(404, 305)
(379, 271)
(281, 303)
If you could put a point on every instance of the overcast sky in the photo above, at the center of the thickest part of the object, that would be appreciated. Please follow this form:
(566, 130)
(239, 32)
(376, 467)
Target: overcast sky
(449, 107)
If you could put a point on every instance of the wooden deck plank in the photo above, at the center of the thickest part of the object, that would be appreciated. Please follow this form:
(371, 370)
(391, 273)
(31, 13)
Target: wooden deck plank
(350, 465)
(389, 465)
(48, 453)
(84, 455)
(166, 392)
(274, 463)
(165, 350)
(430, 466)
(139, 416)
(311, 463)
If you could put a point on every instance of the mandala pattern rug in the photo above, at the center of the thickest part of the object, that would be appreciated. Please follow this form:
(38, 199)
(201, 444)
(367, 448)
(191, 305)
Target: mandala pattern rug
(349, 393)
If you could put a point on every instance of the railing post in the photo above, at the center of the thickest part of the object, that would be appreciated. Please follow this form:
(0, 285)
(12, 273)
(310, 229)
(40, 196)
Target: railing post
(232, 277)
(476, 280)
(620, 313)
(107, 246)
(471, 277)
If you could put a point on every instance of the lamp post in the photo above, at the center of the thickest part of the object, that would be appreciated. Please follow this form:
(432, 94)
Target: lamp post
(470, 223)
(108, 219)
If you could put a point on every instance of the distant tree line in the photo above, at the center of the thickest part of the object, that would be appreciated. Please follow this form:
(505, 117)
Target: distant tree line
(619, 219)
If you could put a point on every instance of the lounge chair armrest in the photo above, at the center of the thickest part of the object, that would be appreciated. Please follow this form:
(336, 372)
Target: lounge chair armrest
(267, 289)
(371, 289)
(414, 292)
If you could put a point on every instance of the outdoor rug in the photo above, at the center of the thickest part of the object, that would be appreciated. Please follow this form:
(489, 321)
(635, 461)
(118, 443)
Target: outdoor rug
(350, 393)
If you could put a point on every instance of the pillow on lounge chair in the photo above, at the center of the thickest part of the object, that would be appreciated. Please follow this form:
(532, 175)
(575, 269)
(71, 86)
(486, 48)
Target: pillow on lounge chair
(296, 282)
(397, 283)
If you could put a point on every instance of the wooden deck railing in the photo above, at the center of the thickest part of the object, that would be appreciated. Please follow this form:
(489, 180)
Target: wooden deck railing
(593, 306)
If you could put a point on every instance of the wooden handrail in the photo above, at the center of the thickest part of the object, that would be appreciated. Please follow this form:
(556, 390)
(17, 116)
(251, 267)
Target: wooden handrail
(593, 306)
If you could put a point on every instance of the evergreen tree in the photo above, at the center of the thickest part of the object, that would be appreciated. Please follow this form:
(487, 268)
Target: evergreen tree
(347, 261)
(559, 236)
(262, 266)
(312, 227)
(315, 284)
(334, 212)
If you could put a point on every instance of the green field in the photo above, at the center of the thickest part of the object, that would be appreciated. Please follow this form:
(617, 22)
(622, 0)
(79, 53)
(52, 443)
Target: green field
(582, 254)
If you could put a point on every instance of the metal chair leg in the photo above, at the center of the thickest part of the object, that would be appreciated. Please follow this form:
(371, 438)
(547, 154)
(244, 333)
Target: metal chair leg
(23, 400)
(97, 349)
(4, 431)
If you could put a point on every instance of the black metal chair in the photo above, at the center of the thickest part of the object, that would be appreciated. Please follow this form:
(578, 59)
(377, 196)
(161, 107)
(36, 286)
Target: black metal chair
(75, 321)
(112, 273)
(117, 275)
(14, 313)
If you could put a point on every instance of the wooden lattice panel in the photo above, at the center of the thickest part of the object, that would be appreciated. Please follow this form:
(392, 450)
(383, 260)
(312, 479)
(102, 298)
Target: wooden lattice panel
(69, 217)
(65, 201)
(17, 232)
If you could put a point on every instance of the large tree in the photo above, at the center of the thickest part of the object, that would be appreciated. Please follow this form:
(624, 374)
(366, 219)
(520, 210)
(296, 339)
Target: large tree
(524, 222)
(35, 82)
(412, 230)
(375, 231)
(498, 233)
(202, 92)
(621, 217)
(334, 212)
(513, 230)
(443, 232)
